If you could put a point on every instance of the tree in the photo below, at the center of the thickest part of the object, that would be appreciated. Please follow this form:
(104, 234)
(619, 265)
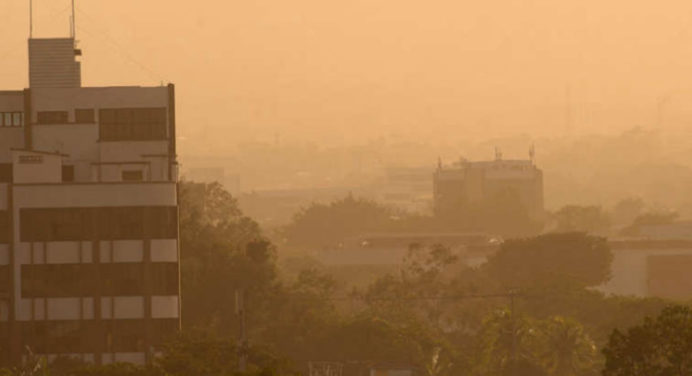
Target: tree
(574, 218)
(573, 259)
(518, 345)
(507, 340)
(567, 350)
(649, 219)
(201, 354)
(325, 225)
(626, 210)
(660, 346)
(222, 251)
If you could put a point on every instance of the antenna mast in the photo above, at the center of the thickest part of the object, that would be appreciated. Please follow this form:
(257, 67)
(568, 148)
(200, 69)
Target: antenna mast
(31, 18)
(73, 32)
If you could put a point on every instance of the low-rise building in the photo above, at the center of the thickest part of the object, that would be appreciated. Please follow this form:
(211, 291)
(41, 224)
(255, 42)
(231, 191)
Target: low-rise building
(466, 183)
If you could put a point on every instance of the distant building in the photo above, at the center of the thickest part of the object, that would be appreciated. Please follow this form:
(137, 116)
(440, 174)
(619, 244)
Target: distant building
(475, 183)
(408, 188)
(392, 249)
(230, 182)
(651, 268)
(88, 215)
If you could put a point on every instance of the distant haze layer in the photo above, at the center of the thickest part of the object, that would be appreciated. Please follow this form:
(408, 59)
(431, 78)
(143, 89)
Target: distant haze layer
(348, 71)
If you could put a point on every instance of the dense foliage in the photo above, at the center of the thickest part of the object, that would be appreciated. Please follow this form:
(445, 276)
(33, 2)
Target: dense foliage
(530, 310)
(660, 346)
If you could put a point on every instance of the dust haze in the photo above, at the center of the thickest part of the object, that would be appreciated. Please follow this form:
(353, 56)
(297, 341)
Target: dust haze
(354, 167)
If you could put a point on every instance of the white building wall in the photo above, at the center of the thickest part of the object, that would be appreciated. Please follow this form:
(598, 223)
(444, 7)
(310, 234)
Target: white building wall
(95, 195)
(128, 251)
(164, 307)
(67, 99)
(64, 308)
(47, 168)
(630, 270)
(129, 151)
(63, 252)
(164, 250)
(10, 138)
(78, 141)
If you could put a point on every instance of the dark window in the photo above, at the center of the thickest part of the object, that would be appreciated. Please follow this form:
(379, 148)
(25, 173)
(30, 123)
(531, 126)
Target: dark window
(127, 336)
(52, 117)
(61, 337)
(5, 228)
(84, 116)
(4, 282)
(5, 172)
(59, 280)
(17, 119)
(67, 173)
(108, 279)
(11, 119)
(122, 279)
(128, 124)
(164, 278)
(132, 175)
(70, 224)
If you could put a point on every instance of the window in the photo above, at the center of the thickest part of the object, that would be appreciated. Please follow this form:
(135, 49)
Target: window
(59, 280)
(4, 281)
(132, 175)
(122, 279)
(5, 228)
(128, 336)
(70, 224)
(11, 119)
(84, 116)
(57, 337)
(132, 124)
(52, 117)
(67, 173)
(164, 278)
(5, 172)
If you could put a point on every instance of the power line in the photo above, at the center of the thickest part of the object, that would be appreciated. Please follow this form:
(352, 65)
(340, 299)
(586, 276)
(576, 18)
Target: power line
(119, 49)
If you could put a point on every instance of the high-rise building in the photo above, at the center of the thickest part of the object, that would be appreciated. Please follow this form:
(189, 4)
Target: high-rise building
(88, 215)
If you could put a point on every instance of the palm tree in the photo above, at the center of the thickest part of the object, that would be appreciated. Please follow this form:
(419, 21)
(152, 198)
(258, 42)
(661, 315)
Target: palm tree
(567, 350)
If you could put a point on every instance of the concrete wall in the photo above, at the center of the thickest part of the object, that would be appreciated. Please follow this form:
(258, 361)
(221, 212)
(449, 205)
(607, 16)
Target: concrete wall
(68, 99)
(77, 141)
(44, 168)
(10, 138)
(629, 270)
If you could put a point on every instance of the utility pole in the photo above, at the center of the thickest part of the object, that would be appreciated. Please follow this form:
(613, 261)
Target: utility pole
(514, 329)
(242, 337)
(513, 350)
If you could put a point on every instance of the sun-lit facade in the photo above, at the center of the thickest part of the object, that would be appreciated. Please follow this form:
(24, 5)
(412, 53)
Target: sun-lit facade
(88, 215)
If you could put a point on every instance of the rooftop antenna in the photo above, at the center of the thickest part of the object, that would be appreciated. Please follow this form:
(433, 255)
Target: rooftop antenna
(73, 32)
(498, 154)
(31, 18)
(532, 152)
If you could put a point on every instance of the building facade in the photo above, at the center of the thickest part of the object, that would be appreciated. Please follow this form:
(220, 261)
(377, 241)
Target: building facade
(88, 215)
(472, 183)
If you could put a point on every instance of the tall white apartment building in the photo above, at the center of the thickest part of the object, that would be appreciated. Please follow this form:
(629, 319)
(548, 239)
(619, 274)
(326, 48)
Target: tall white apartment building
(88, 215)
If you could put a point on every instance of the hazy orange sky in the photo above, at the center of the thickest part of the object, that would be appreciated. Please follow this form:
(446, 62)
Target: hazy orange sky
(359, 69)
